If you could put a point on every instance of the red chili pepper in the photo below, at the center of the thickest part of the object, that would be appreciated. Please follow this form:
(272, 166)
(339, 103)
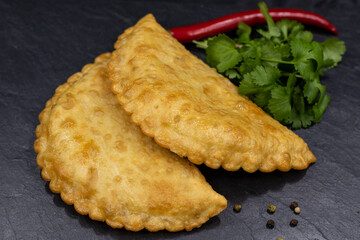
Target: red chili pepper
(251, 17)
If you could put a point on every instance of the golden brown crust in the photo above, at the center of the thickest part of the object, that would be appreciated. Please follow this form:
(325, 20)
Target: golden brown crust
(102, 163)
(192, 110)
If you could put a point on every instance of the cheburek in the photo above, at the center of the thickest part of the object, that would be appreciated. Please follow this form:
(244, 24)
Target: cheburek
(192, 110)
(103, 164)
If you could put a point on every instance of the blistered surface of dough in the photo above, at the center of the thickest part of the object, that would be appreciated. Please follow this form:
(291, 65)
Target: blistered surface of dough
(192, 110)
(103, 164)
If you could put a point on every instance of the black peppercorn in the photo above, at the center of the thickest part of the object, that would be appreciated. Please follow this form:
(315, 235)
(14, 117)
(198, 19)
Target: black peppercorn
(294, 222)
(270, 224)
(294, 205)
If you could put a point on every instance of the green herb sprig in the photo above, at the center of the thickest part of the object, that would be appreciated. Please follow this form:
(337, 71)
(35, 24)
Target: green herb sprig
(280, 71)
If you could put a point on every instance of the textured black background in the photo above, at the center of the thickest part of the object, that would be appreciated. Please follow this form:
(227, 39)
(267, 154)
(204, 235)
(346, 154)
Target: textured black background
(44, 42)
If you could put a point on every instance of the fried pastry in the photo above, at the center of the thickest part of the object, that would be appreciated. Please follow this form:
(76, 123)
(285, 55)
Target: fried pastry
(103, 164)
(189, 108)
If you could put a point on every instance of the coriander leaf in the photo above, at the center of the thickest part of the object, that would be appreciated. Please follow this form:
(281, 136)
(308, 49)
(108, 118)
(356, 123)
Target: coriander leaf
(201, 44)
(307, 57)
(251, 51)
(286, 26)
(317, 54)
(304, 35)
(248, 87)
(303, 50)
(291, 83)
(265, 75)
(320, 107)
(268, 51)
(243, 32)
(292, 29)
(327, 64)
(274, 31)
(222, 53)
(294, 119)
(279, 104)
(300, 50)
(284, 50)
(249, 65)
(262, 99)
(333, 50)
(264, 33)
(295, 30)
(232, 73)
(311, 90)
(298, 100)
(307, 69)
(298, 120)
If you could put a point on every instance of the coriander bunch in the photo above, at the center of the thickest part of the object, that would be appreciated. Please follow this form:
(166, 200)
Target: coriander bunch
(280, 70)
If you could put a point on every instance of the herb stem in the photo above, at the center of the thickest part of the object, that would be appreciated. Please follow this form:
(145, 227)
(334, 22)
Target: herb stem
(288, 74)
(277, 61)
(201, 44)
(238, 46)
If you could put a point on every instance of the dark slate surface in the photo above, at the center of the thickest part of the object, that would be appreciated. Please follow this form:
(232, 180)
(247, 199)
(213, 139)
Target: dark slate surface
(44, 42)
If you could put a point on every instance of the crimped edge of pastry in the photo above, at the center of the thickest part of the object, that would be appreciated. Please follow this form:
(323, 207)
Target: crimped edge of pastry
(81, 205)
